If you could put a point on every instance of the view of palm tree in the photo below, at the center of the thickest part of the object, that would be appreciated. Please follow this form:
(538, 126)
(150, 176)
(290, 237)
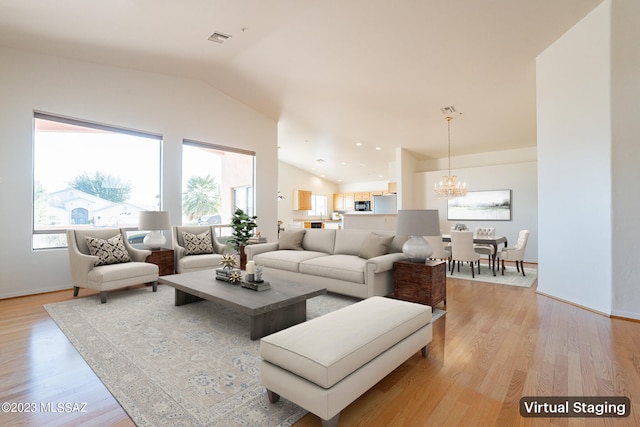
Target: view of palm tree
(202, 197)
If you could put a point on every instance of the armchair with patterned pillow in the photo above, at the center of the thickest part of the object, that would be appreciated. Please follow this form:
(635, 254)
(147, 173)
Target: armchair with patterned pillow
(196, 248)
(104, 260)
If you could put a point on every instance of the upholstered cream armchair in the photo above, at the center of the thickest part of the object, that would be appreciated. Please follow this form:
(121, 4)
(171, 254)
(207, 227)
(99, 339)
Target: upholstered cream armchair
(103, 259)
(515, 253)
(196, 248)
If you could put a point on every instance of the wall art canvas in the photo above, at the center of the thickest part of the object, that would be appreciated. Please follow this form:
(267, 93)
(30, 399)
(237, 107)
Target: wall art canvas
(491, 205)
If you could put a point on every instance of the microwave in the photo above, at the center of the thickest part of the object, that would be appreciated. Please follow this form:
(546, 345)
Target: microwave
(363, 206)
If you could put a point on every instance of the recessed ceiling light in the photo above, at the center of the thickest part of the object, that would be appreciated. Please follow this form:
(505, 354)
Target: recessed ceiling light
(219, 37)
(378, 148)
(359, 144)
(344, 163)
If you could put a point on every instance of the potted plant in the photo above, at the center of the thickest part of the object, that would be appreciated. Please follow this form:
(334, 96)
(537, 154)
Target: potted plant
(242, 229)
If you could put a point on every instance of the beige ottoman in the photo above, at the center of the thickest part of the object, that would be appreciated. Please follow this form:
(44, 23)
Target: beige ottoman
(326, 363)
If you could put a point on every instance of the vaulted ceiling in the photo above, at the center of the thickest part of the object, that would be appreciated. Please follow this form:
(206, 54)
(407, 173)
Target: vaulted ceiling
(348, 81)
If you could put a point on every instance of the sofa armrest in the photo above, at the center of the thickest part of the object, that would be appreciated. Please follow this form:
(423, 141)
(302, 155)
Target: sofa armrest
(384, 262)
(258, 248)
(137, 255)
(81, 264)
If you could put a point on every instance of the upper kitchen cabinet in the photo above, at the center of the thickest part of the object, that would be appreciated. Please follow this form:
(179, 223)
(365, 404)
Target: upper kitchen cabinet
(338, 202)
(302, 200)
(362, 197)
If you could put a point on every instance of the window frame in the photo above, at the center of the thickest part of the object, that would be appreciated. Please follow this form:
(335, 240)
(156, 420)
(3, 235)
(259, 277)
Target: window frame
(66, 120)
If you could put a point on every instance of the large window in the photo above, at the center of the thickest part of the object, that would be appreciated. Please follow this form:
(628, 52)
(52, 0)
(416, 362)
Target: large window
(318, 205)
(215, 181)
(90, 175)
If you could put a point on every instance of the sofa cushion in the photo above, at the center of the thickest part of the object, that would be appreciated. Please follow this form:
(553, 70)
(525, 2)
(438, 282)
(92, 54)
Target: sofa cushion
(375, 245)
(108, 251)
(122, 271)
(349, 242)
(285, 260)
(200, 262)
(291, 240)
(396, 243)
(349, 268)
(324, 351)
(319, 240)
(196, 244)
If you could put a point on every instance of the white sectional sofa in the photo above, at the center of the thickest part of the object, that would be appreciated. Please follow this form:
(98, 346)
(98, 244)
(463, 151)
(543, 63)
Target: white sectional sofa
(358, 263)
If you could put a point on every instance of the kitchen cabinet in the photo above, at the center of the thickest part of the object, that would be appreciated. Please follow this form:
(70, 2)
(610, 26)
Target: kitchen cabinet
(338, 202)
(349, 198)
(362, 197)
(302, 200)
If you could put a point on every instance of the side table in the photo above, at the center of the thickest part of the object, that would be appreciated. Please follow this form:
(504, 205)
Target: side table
(163, 258)
(422, 283)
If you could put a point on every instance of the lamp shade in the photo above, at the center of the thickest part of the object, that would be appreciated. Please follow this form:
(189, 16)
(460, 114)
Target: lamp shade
(418, 223)
(153, 220)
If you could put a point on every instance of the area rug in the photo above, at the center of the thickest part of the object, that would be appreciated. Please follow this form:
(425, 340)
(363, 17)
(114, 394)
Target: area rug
(192, 365)
(511, 277)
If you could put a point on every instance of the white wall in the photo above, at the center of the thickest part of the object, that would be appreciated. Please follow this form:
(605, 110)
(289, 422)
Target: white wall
(625, 78)
(575, 165)
(176, 108)
(520, 178)
(291, 179)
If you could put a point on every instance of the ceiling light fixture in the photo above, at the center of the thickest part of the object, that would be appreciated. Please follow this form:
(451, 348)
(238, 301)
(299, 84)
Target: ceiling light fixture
(449, 187)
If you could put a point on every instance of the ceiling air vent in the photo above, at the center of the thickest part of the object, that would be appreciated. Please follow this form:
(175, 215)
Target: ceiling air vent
(448, 110)
(219, 37)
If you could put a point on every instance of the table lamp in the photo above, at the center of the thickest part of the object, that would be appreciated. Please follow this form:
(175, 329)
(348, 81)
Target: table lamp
(154, 222)
(418, 223)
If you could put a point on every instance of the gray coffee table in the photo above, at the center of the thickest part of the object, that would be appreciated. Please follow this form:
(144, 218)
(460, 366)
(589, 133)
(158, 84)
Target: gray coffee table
(280, 307)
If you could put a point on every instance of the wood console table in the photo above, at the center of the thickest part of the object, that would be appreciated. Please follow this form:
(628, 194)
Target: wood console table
(163, 258)
(422, 283)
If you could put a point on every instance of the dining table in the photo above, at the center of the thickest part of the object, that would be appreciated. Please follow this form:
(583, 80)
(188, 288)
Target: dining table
(484, 241)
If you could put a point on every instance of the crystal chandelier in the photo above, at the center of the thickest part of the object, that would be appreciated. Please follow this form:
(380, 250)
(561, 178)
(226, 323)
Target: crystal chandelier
(449, 187)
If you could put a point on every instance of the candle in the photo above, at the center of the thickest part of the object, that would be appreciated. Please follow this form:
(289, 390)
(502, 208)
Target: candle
(251, 267)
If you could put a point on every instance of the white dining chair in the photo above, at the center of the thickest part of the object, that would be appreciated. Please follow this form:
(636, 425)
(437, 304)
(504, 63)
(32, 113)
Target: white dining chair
(440, 250)
(462, 250)
(515, 253)
(485, 233)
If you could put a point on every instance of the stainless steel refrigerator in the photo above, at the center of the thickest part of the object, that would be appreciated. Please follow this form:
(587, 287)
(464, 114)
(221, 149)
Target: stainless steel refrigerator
(385, 204)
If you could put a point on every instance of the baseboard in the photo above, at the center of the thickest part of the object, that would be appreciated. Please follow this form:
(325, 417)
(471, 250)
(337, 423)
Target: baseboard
(573, 304)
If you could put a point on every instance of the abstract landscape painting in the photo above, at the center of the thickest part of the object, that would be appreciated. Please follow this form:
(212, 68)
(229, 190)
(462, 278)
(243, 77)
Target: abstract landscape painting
(492, 205)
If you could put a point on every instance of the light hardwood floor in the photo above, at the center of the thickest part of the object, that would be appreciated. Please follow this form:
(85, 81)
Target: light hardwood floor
(495, 344)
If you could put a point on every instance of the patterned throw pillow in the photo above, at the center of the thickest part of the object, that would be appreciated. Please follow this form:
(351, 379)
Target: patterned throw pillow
(196, 244)
(111, 251)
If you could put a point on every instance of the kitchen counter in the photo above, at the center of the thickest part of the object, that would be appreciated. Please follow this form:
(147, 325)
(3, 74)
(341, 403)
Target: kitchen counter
(370, 221)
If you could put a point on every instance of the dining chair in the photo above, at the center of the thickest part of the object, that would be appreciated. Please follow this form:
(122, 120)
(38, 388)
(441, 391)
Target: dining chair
(462, 250)
(440, 251)
(485, 233)
(515, 253)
